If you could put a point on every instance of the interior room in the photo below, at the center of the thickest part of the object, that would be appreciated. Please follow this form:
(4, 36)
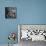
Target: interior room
(27, 12)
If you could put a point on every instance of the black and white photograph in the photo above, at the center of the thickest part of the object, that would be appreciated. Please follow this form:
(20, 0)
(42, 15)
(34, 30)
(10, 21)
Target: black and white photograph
(10, 12)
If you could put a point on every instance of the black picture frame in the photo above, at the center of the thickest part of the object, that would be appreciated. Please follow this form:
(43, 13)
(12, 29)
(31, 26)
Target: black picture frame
(10, 12)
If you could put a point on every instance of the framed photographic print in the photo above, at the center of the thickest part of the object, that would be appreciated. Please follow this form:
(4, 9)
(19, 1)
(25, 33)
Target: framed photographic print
(32, 32)
(29, 34)
(10, 12)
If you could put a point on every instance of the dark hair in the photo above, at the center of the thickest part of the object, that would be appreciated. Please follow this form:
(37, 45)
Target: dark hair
(6, 10)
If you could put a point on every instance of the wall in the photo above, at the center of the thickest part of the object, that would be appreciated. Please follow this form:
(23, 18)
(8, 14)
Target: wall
(7, 25)
(28, 12)
(33, 12)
